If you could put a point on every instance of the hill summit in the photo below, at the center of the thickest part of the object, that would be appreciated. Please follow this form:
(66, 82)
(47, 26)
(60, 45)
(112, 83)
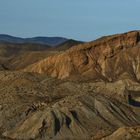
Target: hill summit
(107, 58)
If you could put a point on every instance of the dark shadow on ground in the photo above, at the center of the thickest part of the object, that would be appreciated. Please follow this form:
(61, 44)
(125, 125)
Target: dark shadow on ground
(132, 101)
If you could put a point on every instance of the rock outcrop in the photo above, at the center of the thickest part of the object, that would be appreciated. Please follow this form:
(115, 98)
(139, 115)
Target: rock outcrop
(77, 118)
(107, 58)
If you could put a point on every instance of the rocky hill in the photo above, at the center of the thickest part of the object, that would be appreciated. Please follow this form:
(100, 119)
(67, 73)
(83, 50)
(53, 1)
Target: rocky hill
(90, 91)
(17, 56)
(108, 58)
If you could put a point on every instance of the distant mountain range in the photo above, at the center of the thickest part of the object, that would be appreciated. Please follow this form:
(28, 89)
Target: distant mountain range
(52, 41)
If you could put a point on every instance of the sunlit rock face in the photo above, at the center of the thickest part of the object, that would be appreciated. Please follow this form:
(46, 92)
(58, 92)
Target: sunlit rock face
(107, 58)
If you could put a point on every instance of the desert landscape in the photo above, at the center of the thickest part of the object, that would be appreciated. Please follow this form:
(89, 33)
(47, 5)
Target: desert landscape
(65, 89)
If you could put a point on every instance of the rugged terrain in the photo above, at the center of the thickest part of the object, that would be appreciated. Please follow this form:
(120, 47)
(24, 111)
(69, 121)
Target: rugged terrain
(89, 91)
(16, 56)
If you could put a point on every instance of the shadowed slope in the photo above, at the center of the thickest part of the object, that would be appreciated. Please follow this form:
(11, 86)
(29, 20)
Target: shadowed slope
(18, 56)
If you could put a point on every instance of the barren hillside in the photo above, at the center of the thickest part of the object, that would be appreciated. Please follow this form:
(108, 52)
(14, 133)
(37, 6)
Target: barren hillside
(90, 91)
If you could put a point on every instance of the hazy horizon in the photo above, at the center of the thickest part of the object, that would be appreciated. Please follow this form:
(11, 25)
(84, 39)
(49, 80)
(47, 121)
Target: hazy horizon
(80, 20)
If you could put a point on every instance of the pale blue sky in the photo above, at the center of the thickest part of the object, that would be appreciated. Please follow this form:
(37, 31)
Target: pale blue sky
(78, 19)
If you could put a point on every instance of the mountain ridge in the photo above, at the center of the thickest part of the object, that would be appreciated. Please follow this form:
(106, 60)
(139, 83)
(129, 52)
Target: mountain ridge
(94, 59)
(53, 41)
